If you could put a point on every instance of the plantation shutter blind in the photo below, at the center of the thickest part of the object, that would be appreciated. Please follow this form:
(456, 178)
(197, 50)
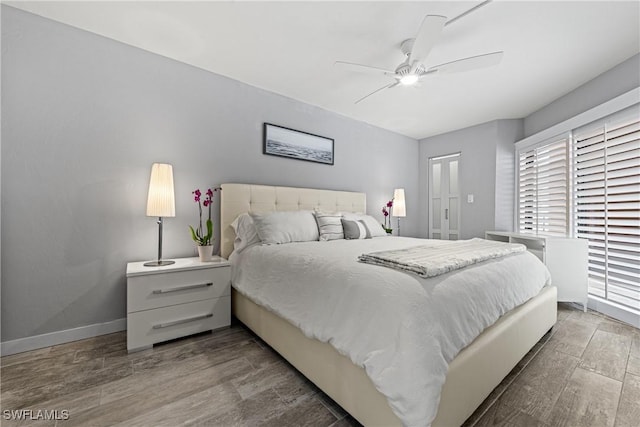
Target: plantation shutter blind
(543, 189)
(607, 206)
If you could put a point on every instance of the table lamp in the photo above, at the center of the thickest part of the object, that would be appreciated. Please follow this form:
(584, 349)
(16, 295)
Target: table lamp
(399, 208)
(161, 203)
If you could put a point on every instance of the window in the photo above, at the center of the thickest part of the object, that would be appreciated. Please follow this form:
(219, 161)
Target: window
(607, 206)
(543, 189)
(586, 184)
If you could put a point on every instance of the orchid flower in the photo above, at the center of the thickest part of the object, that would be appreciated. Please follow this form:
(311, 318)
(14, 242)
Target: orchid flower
(198, 235)
(386, 211)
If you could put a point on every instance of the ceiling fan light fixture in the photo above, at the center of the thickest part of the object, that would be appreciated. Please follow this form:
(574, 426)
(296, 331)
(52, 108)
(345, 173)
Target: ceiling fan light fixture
(409, 79)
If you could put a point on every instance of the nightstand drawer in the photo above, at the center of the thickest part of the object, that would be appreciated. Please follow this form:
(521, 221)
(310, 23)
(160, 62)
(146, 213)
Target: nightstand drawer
(162, 290)
(145, 328)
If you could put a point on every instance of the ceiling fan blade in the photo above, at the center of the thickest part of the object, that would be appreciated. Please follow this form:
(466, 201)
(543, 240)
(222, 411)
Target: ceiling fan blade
(466, 12)
(468, 64)
(359, 68)
(394, 84)
(427, 37)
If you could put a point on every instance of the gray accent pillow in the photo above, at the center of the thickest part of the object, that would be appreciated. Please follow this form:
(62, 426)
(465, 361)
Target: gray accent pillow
(329, 226)
(374, 227)
(355, 229)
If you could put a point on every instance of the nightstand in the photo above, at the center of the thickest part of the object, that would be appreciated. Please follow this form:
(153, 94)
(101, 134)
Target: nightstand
(566, 258)
(176, 300)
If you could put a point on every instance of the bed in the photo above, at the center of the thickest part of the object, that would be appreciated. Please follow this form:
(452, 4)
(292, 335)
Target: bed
(471, 375)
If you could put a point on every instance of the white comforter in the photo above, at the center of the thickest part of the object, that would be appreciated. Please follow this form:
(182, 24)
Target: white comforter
(402, 329)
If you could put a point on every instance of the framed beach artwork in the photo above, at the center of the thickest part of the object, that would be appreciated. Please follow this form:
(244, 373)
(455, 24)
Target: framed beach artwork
(285, 142)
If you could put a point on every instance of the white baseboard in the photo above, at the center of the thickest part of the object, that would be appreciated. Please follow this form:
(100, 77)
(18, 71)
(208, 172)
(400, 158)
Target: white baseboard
(611, 309)
(61, 337)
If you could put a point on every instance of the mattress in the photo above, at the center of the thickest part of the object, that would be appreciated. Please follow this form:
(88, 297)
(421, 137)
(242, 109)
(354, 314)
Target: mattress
(402, 329)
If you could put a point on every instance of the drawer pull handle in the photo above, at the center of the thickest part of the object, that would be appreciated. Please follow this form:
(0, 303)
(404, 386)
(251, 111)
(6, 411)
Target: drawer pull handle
(181, 321)
(181, 288)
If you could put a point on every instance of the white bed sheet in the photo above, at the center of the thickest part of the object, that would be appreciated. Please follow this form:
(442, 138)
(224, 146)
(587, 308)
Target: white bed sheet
(402, 329)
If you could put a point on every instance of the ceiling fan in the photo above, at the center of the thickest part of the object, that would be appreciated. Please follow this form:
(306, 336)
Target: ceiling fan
(416, 50)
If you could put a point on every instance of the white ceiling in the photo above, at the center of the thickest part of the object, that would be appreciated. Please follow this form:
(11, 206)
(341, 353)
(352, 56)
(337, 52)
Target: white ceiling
(551, 47)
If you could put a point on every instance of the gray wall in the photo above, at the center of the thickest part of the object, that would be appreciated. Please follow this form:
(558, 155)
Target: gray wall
(614, 82)
(485, 170)
(84, 118)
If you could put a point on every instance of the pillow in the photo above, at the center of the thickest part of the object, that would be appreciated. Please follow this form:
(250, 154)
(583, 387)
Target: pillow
(374, 227)
(355, 229)
(329, 226)
(246, 232)
(286, 227)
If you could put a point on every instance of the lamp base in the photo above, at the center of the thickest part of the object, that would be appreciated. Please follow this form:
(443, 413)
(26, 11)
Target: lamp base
(158, 263)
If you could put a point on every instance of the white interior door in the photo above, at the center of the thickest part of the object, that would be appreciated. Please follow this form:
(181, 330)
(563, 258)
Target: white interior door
(444, 197)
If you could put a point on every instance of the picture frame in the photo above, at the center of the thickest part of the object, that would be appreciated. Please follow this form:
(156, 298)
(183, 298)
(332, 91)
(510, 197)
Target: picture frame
(294, 144)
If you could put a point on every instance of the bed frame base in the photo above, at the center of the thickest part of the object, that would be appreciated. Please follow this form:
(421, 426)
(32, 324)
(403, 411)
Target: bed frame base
(472, 375)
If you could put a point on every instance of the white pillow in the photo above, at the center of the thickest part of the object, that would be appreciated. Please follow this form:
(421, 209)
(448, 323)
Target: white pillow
(374, 227)
(329, 226)
(246, 232)
(286, 227)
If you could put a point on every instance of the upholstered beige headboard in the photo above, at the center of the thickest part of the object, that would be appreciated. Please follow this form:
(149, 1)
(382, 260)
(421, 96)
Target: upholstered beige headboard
(239, 198)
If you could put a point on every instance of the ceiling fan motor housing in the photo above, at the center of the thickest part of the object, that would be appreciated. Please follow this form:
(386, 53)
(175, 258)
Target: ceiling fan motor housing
(403, 69)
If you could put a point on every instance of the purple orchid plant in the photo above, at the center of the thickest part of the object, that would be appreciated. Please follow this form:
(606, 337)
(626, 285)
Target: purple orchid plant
(198, 235)
(386, 211)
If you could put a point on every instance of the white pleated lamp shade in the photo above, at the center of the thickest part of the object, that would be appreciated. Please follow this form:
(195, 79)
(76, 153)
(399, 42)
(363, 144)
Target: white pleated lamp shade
(161, 200)
(399, 207)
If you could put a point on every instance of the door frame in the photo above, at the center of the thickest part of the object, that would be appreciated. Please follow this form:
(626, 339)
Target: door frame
(430, 161)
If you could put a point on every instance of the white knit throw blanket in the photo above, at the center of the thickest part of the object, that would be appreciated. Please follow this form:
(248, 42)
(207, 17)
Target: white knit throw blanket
(442, 257)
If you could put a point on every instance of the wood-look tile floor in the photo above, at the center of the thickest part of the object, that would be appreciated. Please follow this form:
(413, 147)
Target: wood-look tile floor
(586, 372)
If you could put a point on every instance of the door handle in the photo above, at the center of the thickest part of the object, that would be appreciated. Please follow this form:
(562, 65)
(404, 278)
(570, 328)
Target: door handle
(446, 214)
